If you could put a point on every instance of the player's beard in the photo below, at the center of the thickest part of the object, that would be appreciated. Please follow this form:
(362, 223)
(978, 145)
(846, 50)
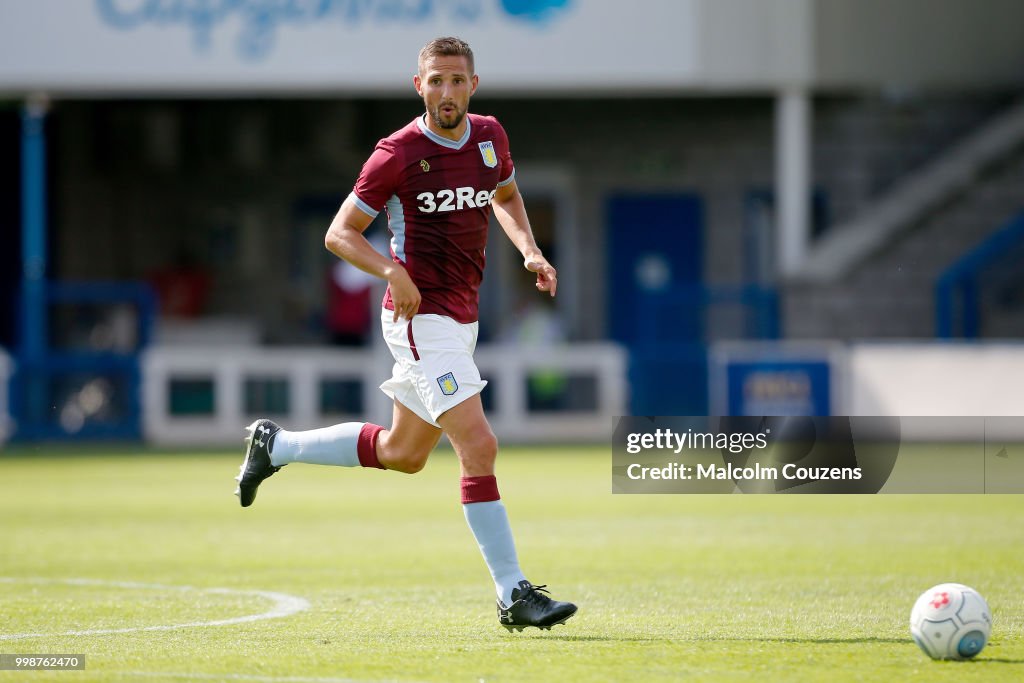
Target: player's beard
(435, 114)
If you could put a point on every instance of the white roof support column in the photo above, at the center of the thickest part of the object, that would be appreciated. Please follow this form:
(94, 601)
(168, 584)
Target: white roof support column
(795, 42)
(792, 179)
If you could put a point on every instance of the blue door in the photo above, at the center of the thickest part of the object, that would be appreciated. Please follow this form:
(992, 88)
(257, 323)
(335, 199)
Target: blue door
(655, 299)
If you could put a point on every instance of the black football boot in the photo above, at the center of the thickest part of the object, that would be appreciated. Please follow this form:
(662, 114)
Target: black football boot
(530, 607)
(257, 465)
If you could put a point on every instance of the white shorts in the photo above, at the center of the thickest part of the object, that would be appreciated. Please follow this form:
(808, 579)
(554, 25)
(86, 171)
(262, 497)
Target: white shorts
(434, 369)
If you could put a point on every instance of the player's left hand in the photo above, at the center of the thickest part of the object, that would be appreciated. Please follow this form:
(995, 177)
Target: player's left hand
(547, 276)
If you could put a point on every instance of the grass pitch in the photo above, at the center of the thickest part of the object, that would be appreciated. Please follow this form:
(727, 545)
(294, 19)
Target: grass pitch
(717, 588)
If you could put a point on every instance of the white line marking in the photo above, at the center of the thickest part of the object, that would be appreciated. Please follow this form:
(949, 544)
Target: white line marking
(240, 677)
(284, 606)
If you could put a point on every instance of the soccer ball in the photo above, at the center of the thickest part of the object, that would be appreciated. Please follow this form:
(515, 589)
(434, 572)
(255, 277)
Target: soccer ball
(951, 621)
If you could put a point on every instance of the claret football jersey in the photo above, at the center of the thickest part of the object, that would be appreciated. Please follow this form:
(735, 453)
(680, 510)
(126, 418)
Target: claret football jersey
(437, 193)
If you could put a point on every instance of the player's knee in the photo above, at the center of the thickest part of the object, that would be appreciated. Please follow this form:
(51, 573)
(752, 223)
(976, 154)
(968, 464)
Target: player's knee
(489, 446)
(403, 454)
(480, 449)
(412, 465)
(408, 461)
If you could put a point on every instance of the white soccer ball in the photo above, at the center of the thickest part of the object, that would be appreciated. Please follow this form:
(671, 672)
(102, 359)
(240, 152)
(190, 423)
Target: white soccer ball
(951, 621)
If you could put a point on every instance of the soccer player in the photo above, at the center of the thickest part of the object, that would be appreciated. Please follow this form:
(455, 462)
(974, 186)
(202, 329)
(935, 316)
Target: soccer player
(438, 178)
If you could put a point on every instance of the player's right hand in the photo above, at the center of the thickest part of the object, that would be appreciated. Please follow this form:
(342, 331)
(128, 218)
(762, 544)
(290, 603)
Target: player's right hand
(547, 276)
(405, 296)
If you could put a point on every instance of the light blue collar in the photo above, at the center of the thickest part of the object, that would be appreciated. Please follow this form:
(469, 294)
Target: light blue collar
(443, 141)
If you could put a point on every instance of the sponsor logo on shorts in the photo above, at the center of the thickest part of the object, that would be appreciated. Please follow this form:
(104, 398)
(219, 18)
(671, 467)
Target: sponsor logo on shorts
(448, 384)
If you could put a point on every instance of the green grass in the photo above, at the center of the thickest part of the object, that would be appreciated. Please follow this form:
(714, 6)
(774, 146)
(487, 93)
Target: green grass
(717, 588)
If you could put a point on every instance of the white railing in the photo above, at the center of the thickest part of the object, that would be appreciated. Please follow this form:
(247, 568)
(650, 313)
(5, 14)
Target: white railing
(6, 370)
(303, 369)
(509, 366)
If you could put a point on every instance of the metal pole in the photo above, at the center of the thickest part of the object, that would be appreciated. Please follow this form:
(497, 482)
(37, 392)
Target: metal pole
(792, 178)
(33, 229)
(33, 342)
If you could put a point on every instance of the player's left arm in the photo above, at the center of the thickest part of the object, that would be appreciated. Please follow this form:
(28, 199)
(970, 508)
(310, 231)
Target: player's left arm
(511, 214)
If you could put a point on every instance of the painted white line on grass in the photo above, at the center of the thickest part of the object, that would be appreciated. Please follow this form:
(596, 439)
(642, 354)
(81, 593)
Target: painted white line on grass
(244, 677)
(284, 605)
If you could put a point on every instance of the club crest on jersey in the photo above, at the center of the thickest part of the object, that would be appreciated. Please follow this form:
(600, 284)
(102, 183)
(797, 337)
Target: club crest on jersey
(448, 384)
(425, 165)
(488, 153)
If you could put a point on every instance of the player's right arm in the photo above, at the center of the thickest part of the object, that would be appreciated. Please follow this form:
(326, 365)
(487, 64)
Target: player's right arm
(345, 240)
(345, 237)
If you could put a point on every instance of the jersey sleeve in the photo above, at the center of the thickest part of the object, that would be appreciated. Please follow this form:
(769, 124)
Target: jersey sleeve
(508, 170)
(377, 181)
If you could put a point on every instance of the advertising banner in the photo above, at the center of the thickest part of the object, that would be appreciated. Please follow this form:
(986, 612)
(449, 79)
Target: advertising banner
(323, 45)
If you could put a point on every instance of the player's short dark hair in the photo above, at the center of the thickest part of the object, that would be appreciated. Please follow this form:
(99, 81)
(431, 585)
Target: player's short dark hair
(447, 46)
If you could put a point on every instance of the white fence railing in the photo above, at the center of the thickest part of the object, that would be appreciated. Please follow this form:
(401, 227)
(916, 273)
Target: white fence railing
(300, 373)
(6, 370)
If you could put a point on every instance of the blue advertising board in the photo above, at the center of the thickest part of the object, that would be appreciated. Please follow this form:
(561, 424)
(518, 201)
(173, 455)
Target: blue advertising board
(774, 378)
(779, 388)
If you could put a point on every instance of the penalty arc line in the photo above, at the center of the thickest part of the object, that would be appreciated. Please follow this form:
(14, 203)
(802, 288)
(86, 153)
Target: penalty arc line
(284, 606)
